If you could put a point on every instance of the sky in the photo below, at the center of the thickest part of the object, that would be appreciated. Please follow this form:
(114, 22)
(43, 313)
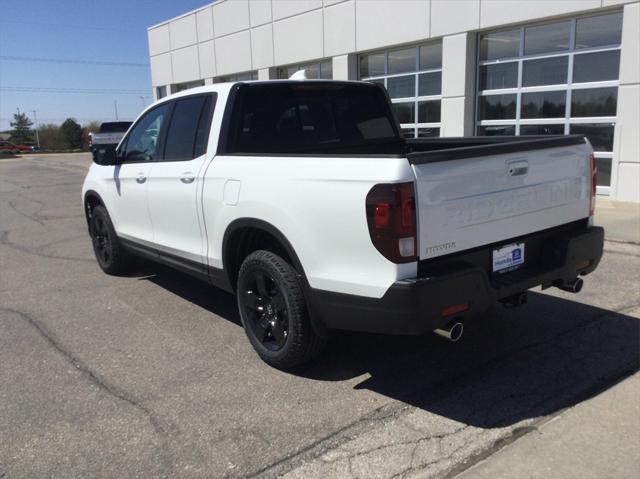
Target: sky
(78, 31)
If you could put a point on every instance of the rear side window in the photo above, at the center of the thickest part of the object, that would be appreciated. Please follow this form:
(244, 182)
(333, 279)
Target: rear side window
(188, 131)
(309, 118)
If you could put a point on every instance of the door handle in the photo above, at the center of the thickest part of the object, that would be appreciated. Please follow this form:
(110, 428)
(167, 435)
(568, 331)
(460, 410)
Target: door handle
(187, 177)
(141, 178)
(517, 168)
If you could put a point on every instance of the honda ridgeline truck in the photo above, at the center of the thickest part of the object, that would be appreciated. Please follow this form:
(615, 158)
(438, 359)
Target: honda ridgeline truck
(303, 199)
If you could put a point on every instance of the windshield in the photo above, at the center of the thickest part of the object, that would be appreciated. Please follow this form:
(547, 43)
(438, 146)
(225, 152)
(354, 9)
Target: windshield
(310, 117)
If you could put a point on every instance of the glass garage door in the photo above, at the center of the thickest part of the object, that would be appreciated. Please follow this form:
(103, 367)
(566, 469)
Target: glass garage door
(553, 78)
(413, 78)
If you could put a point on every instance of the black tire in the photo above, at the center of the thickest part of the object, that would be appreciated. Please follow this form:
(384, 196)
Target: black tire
(111, 257)
(274, 312)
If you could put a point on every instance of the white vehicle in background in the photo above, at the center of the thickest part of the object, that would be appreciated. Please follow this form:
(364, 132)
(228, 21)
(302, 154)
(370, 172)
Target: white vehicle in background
(108, 136)
(303, 199)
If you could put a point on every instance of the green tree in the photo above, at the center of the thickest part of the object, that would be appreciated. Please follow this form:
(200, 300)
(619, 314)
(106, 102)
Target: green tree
(22, 131)
(72, 134)
(51, 137)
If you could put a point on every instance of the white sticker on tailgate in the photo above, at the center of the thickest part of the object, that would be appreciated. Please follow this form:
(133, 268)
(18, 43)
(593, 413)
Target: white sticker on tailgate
(508, 257)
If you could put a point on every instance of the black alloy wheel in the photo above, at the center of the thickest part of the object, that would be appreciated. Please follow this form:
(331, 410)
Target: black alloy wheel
(112, 258)
(265, 310)
(274, 311)
(102, 241)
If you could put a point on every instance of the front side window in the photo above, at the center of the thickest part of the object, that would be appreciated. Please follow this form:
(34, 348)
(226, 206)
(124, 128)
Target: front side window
(142, 142)
(553, 78)
(413, 78)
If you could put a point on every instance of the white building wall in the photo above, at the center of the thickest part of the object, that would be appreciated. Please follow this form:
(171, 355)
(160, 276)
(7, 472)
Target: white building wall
(381, 23)
(233, 53)
(298, 38)
(340, 28)
(237, 36)
(185, 64)
(495, 13)
(454, 17)
(259, 12)
(262, 46)
(625, 181)
(458, 84)
(204, 24)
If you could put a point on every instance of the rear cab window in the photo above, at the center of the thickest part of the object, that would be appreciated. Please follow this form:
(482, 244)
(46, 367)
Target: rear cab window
(115, 126)
(312, 117)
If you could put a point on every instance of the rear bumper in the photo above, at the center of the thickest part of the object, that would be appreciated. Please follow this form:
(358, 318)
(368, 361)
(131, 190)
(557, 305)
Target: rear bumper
(414, 306)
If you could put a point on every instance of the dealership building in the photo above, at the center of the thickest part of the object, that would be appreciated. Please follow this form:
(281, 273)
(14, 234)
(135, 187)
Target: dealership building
(451, 67)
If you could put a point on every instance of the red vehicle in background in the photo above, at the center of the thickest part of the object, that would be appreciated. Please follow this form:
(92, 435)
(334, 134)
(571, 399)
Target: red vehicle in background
(8, 146)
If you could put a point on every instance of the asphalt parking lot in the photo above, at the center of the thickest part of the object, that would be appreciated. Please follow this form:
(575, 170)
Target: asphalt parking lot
(151, 375)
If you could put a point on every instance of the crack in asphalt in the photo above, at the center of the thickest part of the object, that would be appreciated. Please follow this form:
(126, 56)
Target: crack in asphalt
(63, 166)
(33, 217)
(4, 240)
(397, 410)
(635, 243)
(622, 253)
(393, 411)
(103, 384)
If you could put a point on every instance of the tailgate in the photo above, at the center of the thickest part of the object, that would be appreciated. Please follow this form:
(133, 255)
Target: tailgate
(106, 138)
(484, 199)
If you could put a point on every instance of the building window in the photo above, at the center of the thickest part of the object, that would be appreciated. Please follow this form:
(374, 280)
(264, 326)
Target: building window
(553, 79)
(185, 86)
(161, 92)
(246, 76)
(316, 71)
(413, 78)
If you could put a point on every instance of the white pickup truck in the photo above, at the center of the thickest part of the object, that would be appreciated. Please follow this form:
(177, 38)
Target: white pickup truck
(303, 199)
(108, 136)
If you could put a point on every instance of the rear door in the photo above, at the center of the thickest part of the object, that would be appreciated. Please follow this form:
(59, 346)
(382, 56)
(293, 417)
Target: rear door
(175, 182)
(471, 202)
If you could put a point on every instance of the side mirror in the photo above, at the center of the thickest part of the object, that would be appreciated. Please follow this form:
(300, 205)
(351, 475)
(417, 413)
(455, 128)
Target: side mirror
(105, 156)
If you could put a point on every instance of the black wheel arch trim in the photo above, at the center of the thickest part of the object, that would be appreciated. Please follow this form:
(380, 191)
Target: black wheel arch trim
(267, 228)
(318, 326)
(91, 194)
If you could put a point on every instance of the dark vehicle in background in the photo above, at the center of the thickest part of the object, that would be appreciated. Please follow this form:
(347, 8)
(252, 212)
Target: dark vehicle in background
(109, 135)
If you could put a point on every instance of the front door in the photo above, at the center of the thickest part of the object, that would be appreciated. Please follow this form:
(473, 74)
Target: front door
(131, 177)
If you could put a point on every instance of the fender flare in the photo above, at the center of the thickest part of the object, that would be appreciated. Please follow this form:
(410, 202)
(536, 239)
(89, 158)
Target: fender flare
(87, 195)
(267, 228)
(317, 324)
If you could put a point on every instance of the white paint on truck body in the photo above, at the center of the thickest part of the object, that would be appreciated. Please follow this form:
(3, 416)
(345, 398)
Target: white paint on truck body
(472, 202)
(318, 203)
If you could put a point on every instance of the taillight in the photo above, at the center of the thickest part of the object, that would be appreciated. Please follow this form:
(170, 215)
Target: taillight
(391, 216)
(594, 182)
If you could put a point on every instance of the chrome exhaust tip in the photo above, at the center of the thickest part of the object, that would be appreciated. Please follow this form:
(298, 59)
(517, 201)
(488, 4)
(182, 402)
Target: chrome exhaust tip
(453, 332)
(574, 286)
